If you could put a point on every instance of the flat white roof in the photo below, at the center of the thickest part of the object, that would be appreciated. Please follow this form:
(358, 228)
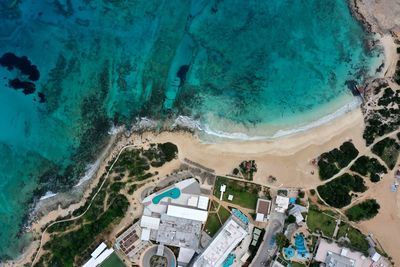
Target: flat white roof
(203, 203)
(103, 256)
(150, 222)
(94, 262)
(98, 250)
(145, 236)
(185, 255)
(326, 248)
(260, 217)
(223, 188)
(282, 203)
(187, 213)
(192, 201)
(219, 248)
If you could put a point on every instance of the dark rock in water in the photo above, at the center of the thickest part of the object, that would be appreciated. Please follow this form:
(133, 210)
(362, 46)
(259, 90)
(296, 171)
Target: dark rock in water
(28, 87)
(23, 64)
(42, 98)
(11, 61)
(182, 73)
(352, 85)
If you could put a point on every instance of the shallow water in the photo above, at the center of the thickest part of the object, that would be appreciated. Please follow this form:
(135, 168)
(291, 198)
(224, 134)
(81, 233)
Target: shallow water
(256, 67)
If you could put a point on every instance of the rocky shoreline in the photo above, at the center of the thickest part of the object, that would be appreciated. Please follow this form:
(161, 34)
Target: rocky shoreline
(38, 211)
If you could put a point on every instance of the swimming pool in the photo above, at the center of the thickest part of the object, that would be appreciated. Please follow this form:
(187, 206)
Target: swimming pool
(289, 253)
(229, 260)
(302, 251)
(172, 193)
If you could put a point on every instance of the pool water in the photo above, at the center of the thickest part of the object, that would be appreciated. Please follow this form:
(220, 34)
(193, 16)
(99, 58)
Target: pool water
(302, 251)
(229, 260)
(289, 253)
(171, 193)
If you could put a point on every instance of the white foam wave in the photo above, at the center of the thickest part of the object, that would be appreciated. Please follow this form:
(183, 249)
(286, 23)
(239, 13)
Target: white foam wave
(48, 194)
(285, 132)
(116, 129)
(187, 122)
(89, 172)
(144, 123)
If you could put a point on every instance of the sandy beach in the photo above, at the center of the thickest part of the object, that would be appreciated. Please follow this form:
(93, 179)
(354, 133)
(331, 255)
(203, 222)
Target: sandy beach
(287, 158)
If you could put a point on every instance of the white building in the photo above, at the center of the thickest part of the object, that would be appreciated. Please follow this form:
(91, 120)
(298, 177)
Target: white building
(334, 255)
(282, 204)
(100, 254)
(218, 250)
(263, 209)
(174, 216)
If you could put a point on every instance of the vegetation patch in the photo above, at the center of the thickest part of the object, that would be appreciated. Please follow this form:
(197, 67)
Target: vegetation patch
(224, 214)
(330, 163)
(370, 167)
(358, 240)
(384, 119)
(337, 192)
(113, 261)
(244, 194)
(65, 248)
(248, 168)
(212, 224)
(136, 162)
(319, 221)
(388, 150)
(363, 211)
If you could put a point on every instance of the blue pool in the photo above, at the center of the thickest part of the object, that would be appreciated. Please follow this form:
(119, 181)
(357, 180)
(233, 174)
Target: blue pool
(171, 193)
(241, 216)
(229, 260)
(302, 251)
(289, 253)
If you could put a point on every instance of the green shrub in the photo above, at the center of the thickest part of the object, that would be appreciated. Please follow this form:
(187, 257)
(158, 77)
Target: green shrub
(386, 118)
(363, 211)
(388, 150)
(367, 166)
(337, 192)
(64, 248)
(330, 163)
(170, 150)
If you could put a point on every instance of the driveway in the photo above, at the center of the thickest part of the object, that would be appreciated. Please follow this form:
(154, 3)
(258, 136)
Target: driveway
(268, 247)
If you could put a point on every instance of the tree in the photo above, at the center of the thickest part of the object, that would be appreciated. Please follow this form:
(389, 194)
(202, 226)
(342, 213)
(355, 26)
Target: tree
(291, 219)
(281, 240)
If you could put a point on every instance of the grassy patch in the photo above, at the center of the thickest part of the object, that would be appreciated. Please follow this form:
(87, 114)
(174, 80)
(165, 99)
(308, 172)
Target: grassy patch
(318, 221)
(363, 211)
(330, 163)
(297, 264)
(214, 205)
(244, 194)
(370, 167)
(388, 150)
(223, 214)
(212, 224)
(357, 240)
(113, 261)
(337, 192)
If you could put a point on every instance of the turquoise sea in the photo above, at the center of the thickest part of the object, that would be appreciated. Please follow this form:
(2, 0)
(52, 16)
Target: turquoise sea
(238, 68)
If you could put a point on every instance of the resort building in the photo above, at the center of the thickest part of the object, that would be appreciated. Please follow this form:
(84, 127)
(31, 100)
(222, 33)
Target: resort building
(335, 256)
(129, 242)
(229, 236)
(100, 254)
(297, 211)
(263, 210)
(174, 216)
(281, 204)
